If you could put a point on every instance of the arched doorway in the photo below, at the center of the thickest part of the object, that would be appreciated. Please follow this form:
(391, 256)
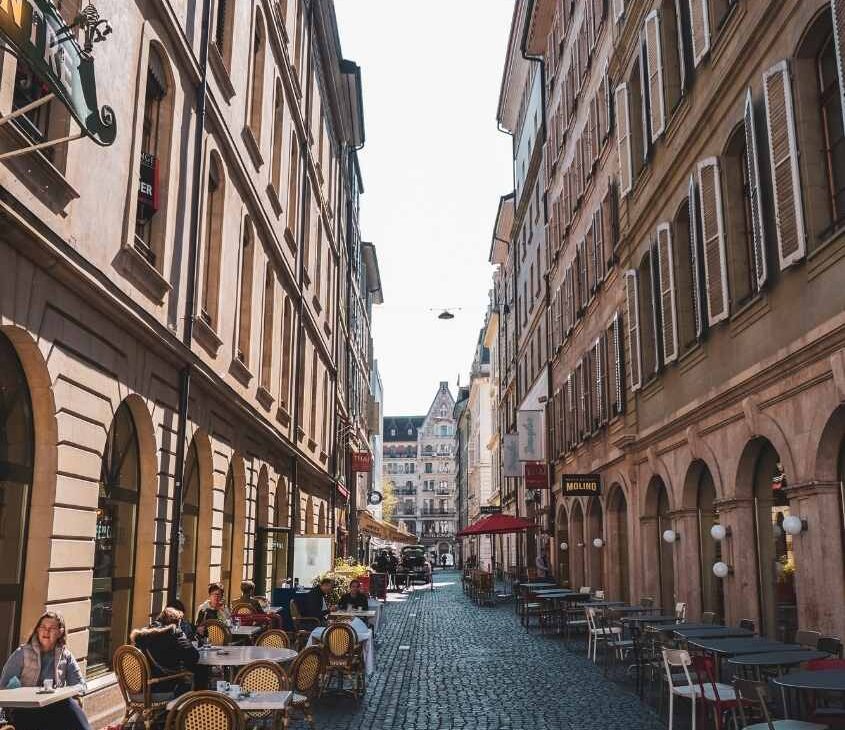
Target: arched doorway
(576, 546)
(561, 539)
(700, 487)
(617, 544)
(309, 517)
(658, 508)
(281, 535)
(227, 539)
(114, 542)
(595, 531)
(775, 559)
(17, 450)
(186, 578)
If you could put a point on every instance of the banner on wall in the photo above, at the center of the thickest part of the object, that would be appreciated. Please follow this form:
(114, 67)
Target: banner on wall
(529, 428)
(536, 475)
(510, 455)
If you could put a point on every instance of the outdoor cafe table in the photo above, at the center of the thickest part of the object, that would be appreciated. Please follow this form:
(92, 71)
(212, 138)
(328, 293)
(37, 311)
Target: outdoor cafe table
(537, 585)
(712, 632)
(35, 697)
(747, 645)
(256, 702)
(826, 681)
(651, 620)
(238, 656)
(244, 632)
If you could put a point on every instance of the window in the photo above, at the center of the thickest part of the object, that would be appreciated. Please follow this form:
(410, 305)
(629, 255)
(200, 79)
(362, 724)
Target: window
(672, 52)
(154, 163)
(684, 282)
(256, 100)
(228, 533)
(293, 187)
(245, 306)
(648, 320)
(267, 328)
(830, 106)
(287, 348)
(223, 20)
(429, 467)
(326, 413)
(312, 423)
(212, 243)
(278, 139)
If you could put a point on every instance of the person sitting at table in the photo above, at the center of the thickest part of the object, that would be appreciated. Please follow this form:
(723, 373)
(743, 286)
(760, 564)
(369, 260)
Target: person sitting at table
(354, 599)
(187, 627)
(214, 607)
(45, 656)
(314, 604)
(259, 615)
(168, 651)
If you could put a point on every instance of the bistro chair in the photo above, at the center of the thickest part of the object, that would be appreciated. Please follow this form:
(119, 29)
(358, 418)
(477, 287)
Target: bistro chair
(709, 617)
(585, 590)
(690, 685)
(300, 622)
(599, 595)
(720, 697)
(138, 686)
(756, 695)
(598, 631)
(680, 612)
(217, 633)
(808, 639)
(610, 621)
(305, 678)
(242, 608)
(647, 601)
(205, 711)
(275, 638)
(747, 623)
(344, 658)
(830, 645)
(262, 676)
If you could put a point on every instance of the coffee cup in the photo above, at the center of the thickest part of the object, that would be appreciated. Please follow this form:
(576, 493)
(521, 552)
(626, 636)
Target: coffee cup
(222, 686)
(48, 685)
(234, 691)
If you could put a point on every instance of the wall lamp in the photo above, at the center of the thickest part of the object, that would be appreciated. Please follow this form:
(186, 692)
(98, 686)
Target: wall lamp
(720, 532)
(793, 525)
(671, 536)
(722, 570)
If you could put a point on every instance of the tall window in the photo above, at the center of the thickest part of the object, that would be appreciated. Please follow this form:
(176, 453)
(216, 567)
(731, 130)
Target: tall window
(154, 163)
(318, 260)
(278, 139)
(293, 186)
(223, 19)
(267, 327)
(833, 139)
(256, 102)
(186, 578)
(114, 542)
(740, 222)
(212, 244)
(312, 425)
(16, 461)
(245, 306)
(287, 347)
(324, 439)
(227, 560)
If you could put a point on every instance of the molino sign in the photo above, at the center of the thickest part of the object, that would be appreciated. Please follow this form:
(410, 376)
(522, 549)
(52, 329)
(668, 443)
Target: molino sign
(40, 37)
(581, 485)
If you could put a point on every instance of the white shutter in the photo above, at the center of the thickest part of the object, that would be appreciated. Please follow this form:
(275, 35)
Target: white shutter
(618, 9)
(713, 240)
(572, 412)
(654, 58)
(666, 280)
(783, 155)
(837, 8)
(598, 358)
(618, 366)
(755, 194)
(699, 15)
(598, 245)
(694, 248)
(632, 297)
(623, 139)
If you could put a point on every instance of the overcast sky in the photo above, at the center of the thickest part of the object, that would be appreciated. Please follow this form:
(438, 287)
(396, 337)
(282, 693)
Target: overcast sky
(434, 167)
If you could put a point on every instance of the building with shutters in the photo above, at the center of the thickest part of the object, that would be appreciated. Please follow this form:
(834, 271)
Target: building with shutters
(169, 369)
(693, 168)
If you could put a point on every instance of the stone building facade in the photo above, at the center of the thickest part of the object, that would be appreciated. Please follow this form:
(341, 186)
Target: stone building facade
(693, 156)
(176, 360)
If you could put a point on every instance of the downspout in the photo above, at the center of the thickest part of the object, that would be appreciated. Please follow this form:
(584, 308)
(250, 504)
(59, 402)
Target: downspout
(190, 304)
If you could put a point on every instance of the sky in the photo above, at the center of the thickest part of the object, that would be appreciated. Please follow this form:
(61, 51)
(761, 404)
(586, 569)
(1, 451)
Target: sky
(434, 167)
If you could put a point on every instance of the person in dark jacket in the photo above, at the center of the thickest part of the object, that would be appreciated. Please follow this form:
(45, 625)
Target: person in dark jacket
(314, 604)
(167, 649)
(187, 627)
(354, 599)
(215, 607)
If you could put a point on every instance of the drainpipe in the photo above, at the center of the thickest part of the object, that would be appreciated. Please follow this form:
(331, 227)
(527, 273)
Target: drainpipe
(190, 304)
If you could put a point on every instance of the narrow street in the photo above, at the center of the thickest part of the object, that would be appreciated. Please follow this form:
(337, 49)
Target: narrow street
(478, 669)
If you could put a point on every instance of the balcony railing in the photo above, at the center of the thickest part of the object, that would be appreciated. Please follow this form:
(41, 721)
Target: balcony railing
(438, 512)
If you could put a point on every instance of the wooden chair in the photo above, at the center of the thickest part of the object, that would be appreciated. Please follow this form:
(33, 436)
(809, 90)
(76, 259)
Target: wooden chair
(263, 676)
(305, 680)
(205, 711)
(138, 686)
(344, 658)
(275, 638)
(756, 695)
(217, 633)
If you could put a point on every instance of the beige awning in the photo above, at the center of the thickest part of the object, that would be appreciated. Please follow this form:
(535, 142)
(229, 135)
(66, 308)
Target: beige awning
(384, 530)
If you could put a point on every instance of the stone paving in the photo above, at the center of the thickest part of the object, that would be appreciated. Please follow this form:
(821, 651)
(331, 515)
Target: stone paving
(443, 662)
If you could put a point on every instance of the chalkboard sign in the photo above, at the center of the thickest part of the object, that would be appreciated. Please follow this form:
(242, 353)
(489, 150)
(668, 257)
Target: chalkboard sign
(378, 585)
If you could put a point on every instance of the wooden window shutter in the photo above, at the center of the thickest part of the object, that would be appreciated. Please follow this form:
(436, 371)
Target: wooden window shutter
(583, 279)
(592, 378)
(561, 418)
(598, 14)
(589, 27)
(598, 385)
(695, 260)
(601, 113)
(713, 240)
(666, 279)
(584, 50)
(699, 15)
(656, 319)
(633, 299)
(572, 413)
(654, 59)
(623, 139)
(590, 261)
(755, 193)
(598, 245)
(783, 155)
(837, 8)
(608, 219)
(608, 101)
(616, 371)
(579, 403)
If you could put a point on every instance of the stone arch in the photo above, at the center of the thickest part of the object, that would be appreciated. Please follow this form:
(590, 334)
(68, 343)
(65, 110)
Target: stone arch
(825, 466)
(308, 528)
(595, 556)
(281, 511)
(562, 536)
(762, 426)
(321, 519)
(577, 570)
(659, 573)
(701, 451)
(43, 488)
(201, 442)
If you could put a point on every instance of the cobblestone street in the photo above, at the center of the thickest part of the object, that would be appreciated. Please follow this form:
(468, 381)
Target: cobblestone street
(443, 662)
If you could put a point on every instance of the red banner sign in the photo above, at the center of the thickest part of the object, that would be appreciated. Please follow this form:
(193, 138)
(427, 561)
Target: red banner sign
(362, 461)
(536, 475)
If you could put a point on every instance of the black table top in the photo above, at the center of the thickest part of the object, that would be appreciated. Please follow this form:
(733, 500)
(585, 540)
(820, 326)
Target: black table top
(713, 632)
(828, 681)
(749, 645)
(777, 658)
(650, 620)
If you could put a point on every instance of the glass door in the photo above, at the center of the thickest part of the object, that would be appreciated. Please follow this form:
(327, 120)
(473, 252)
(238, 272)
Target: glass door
(272, 551)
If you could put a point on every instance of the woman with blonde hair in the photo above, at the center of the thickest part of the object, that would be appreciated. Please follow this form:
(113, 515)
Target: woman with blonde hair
(45, 656)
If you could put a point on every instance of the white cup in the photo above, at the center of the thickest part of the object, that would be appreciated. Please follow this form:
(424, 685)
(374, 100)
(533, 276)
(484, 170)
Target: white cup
(48, 685)
(222, 686)
(234, 691)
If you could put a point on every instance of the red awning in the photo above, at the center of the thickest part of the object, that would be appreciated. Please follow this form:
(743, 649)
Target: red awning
(495, 525)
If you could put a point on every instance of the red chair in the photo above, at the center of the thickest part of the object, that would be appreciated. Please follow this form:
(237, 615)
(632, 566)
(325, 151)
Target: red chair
(721, 697)
(825, 665)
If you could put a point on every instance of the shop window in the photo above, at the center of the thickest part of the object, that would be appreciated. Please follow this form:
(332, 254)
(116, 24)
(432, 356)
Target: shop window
(114, 543)
(212, 242)
(245, 304)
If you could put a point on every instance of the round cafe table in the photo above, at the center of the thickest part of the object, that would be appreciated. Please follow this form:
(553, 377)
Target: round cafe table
(238, 656)
(826, 681)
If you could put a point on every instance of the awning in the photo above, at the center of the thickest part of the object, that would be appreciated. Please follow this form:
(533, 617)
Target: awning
(384, 530)
(496, 525)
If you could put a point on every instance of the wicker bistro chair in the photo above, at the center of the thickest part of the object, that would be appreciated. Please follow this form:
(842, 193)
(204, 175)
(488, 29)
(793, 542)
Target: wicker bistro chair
(263, 676)
(138, 686)
(217, 633)
(205, 711)
(275, 638)
(344, 658)
(242, 608)
(306, 676)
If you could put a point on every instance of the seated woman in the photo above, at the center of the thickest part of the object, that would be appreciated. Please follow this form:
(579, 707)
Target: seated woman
(45, 656)
(259, 615)
(168, 650)
(214, 607)
(187, 627)
(354, 599)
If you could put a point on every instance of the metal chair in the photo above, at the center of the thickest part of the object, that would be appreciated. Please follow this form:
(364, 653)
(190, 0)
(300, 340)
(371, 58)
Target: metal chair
(709, 617)
(344, 658)
(205, 711)
(598, 630)
(830, 645)
(137, 685)
(747, 623)
(680, 612)
(647, 601)
(694, 686)
(305, 681)
(217, 633)
(263, 676)
(809, 639)
(756, 695)
(275, 638)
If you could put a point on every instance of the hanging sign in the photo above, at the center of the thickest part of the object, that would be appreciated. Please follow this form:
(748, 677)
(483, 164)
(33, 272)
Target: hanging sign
(536, 475)
(374, 498)
(490, 509)
(40, 38)
(581, 485)
(510, 455)
(529, 427)
(362, 461)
